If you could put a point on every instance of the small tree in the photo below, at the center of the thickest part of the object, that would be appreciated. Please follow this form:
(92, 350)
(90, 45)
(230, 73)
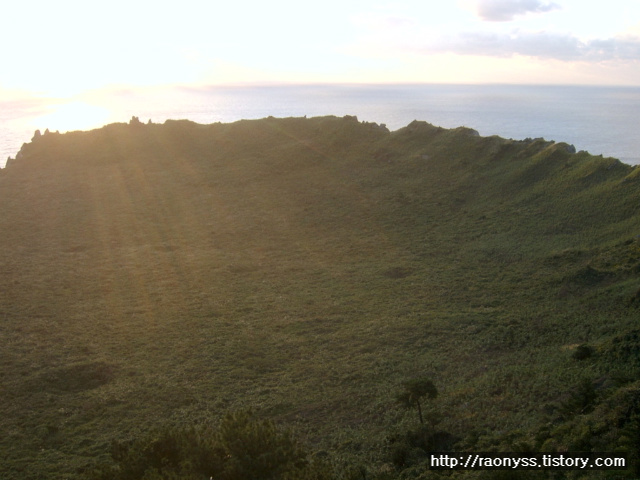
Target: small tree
(414, 391)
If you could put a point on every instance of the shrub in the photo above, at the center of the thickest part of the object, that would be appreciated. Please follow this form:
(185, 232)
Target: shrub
(582, 352)
(242, 447)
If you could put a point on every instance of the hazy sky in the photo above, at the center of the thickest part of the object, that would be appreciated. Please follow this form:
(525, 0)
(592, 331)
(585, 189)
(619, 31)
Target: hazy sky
(64, 47)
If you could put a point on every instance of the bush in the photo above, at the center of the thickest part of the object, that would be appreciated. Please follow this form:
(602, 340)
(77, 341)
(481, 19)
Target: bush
(581, 400)
(582, 352)
(242, 447)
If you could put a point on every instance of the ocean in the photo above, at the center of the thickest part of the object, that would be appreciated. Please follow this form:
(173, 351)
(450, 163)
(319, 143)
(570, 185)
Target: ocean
(600, 120)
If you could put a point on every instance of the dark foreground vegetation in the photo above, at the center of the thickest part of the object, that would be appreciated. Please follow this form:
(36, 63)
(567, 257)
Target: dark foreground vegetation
(314, 299)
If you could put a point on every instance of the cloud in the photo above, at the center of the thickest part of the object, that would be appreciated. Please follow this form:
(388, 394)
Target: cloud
(507, 10)
(541, 45)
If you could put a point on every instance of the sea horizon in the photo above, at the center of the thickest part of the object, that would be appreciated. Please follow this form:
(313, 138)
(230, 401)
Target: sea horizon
(597, 119)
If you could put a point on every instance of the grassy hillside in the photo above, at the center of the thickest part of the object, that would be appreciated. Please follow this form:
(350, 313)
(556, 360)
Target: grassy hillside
(157, 276)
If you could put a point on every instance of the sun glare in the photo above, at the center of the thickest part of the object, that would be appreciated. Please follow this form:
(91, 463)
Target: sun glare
(72, 116)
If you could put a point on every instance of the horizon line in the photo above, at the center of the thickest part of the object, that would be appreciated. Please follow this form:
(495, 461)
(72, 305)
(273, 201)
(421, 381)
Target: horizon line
(14, 95)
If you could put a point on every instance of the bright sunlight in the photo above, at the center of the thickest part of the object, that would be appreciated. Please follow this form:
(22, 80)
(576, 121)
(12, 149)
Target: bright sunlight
(72, 116)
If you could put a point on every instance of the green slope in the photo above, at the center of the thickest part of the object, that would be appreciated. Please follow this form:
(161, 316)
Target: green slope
(156, 275)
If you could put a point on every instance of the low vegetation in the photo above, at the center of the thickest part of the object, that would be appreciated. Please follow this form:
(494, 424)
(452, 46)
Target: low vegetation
(160, 282)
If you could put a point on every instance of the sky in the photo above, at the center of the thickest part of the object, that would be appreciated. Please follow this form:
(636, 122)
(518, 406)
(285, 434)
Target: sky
(70, 47)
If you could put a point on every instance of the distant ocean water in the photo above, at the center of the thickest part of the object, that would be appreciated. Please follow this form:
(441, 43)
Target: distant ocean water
(601, 120)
